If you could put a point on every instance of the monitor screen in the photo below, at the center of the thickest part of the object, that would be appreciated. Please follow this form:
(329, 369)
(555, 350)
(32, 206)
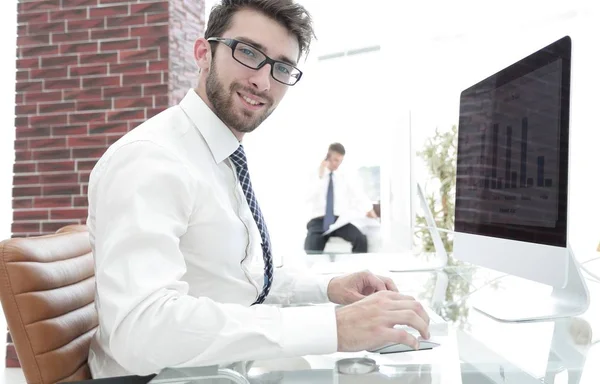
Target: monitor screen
(512, 156)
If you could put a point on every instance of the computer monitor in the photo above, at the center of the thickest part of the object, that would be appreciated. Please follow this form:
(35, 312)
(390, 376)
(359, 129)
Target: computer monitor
(512, 182)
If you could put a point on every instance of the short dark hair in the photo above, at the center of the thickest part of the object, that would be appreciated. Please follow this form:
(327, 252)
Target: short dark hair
(338, 148)
(294, 17)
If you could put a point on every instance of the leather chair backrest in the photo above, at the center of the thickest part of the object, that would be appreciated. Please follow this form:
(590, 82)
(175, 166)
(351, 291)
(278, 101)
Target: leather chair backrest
(47, 290)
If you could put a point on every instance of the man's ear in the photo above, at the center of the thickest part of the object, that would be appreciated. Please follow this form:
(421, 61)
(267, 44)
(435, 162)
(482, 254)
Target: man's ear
(202, 53)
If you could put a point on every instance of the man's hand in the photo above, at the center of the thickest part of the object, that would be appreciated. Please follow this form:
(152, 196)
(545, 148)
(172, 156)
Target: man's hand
(371, 214)
(322, 168)
(351, 288)
(369, 323)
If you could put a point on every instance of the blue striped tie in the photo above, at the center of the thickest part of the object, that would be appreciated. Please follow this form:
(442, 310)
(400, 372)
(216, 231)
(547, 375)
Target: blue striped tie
(241, 166)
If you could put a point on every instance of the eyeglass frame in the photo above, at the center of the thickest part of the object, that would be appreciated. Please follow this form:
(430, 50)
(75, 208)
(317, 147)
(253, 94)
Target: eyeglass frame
(232, 43)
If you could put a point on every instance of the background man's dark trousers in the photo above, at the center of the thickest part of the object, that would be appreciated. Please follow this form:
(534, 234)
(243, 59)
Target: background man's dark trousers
(315, 241)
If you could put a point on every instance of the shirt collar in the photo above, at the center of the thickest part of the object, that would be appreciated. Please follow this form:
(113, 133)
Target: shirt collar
(221, 141)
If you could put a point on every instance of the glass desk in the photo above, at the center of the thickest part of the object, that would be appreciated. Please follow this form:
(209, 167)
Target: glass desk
(475, 349)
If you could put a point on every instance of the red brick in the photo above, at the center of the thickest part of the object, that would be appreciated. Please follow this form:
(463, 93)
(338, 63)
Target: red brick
(48, 143)
(93, 105)
(23, 86)
(21, 228)
(86, 165)
(19, 98)
(118, 45)
(155, 66)
(156, 7)
(32, 132)
(69, 130)
(124, 115)
(102, 81)
(51, 202)
(27, 109)
(45, 120)
(24, 167)
(80, 201)
(21, 144)
(22, 30)
(59, 178)
(84, 177)
(88, 153)
(45, 73)
(145, 78)
(62, 189)
(71, 14)
(53, 226)
(111, 139)
(62, 84)
(43, 27)
(26, 180)
(38, 5)
(83, 94)
(56, 166)
(154, 42)
(70, 37)
(153, 30)
(151, 112)
(126, 20)
(30, 62)
(87, 117)
(21, 203)
(138, 54)
(105, 128)
(87, 141)
(26, 191)
(76, 25)
(33, 40)
(87, 70)
(21, 122)
(138, 67)
(84, 189)
(156, 89)
(79, 48)
(78, 3)
(157, 18)
(66, 214)
(59, 61)
(135, 123)
(99, 58)
(30, 215)
(52, 154)
(57, 107)
(34, 97)
(133, 102)
(130, 91)
(23, 155)
(32, 18)
(109, 11)
(114, 33)
(22, 75)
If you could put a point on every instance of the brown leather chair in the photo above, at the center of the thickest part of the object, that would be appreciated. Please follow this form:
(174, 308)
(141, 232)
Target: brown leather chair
(47, 293)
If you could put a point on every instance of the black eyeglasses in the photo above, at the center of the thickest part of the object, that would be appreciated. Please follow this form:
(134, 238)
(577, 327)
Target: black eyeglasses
(253, 58)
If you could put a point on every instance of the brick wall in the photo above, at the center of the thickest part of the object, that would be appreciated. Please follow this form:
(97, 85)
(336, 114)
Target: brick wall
(87, 72)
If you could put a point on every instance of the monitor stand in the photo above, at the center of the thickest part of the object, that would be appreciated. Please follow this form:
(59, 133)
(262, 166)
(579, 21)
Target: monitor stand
(529, 305)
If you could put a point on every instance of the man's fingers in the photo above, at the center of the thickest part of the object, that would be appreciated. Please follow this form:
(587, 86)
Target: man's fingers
(410, 318)
(375, 282)
(389, 283)
(400, 336)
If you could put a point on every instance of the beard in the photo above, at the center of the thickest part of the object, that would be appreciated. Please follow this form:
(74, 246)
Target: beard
(222, 100)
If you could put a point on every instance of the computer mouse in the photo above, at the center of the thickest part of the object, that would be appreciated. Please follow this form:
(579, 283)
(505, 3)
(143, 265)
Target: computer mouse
(397, 348)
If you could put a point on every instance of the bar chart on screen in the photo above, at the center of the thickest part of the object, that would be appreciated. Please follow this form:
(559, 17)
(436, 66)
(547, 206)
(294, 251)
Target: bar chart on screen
(514, 161)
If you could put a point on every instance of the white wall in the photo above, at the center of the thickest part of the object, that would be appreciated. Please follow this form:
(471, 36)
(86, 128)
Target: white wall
(8, 31)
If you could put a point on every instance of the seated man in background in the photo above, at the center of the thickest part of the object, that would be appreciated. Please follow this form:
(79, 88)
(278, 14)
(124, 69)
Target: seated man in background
(331, 195)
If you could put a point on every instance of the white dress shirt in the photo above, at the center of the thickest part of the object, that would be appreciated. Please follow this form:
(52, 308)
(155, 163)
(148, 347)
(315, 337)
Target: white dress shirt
(178, 258)
(348, 198)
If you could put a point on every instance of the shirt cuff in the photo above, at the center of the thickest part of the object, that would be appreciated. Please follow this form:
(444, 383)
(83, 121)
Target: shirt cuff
(309, 330)
(311, 288)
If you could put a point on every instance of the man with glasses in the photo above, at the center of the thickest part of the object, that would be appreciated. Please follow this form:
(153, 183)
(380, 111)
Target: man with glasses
(176, 228)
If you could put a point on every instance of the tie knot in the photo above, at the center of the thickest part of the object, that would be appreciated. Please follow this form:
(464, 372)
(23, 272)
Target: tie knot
(239, 157)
